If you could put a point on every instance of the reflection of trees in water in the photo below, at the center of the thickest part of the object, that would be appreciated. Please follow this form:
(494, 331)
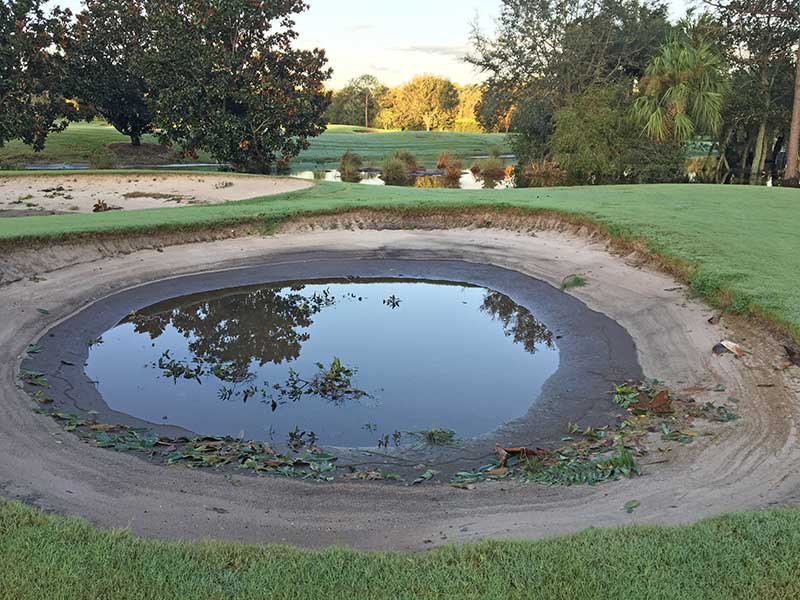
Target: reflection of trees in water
(518, 322)
(263, 325)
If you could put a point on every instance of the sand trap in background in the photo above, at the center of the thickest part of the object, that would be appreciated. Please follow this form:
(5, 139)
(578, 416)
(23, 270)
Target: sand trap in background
(48, 194)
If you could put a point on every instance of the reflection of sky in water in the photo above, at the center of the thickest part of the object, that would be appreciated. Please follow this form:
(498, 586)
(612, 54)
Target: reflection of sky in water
(438, 360)
(468, 180)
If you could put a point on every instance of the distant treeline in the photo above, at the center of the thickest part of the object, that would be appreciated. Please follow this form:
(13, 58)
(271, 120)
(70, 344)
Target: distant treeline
(426, 103)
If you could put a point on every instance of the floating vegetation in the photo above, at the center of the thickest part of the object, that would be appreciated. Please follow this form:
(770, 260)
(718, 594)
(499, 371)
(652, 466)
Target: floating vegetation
(436, 437)
(392, 302)
(177, 369)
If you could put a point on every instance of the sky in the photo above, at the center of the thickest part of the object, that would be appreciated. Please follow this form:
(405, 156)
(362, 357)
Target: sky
(396, 39)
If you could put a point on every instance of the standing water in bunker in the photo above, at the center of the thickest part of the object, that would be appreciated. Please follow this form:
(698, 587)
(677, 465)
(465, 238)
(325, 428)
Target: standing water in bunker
(350, 363)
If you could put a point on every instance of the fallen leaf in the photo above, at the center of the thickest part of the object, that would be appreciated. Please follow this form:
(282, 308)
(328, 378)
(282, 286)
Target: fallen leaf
(503, 454)
(463, 486)
(426, 476)
(498, 472)
(734, 348)
(660, 404)
(632, 505)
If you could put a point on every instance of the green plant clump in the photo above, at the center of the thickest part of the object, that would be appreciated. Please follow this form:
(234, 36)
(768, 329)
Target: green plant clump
(350, 167)
(396, 172)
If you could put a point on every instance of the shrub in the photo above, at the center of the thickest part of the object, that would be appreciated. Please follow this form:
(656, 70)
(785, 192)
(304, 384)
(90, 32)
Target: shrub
(495, 151)
(350, 167)
(101, 161)
(540, 173)
(493, 168)
(396, 171)
(702, 169)
(452, 174)
(475, 169)
(467, 126)
(408, 159)
(443, 160)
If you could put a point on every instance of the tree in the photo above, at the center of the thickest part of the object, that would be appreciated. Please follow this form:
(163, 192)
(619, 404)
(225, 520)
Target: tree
(469, 97)
(358, 102)
(682, 91)
(759, 37)
(596, 141)
(426, 102)
(105, 53)
(546, 52)
(32, 68)
(230, 81)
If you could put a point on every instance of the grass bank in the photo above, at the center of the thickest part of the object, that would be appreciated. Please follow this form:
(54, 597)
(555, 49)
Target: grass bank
(750, 556)
(80, 142)
(737, 245)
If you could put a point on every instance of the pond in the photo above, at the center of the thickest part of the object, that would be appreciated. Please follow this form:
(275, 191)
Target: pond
(432, 179)
(348, 362)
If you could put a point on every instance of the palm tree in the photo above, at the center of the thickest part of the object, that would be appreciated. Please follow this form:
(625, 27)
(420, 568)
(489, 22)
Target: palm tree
(682, 91)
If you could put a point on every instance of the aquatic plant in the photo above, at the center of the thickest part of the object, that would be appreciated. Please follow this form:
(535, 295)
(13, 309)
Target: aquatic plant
(411, 162)
(396, 172)
(350, 167)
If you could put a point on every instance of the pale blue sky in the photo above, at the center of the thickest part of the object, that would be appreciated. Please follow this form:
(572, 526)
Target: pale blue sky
(396, 39)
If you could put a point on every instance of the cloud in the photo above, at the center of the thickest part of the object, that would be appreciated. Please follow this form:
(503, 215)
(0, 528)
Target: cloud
(361, 27)
(456, 51)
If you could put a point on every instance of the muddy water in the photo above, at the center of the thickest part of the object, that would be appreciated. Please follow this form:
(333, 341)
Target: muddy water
(424, 355)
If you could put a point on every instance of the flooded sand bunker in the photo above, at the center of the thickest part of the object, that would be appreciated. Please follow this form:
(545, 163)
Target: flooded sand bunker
(255, 362)
(477, 357)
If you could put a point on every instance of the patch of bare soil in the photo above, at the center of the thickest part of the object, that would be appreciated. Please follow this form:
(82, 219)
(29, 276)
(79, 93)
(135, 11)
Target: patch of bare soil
(752, 463)
(80, 193)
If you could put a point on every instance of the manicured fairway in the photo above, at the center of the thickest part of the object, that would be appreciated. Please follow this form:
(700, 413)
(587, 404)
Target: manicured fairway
(747, 556)
(740, 241)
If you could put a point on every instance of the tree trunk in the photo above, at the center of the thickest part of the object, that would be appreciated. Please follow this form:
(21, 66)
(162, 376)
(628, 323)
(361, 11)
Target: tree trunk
(793, 143)
(745, 157)
(755, 166)
(768, 142)
(136, 141)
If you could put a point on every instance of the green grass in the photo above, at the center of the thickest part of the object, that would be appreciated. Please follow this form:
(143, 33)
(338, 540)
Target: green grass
(742, 242)
(75, 145)
(82, 140)
(748, 556)
(376, 145)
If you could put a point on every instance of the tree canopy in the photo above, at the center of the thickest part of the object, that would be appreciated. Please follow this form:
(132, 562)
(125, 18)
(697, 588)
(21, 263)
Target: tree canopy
(230, 81)
(32, 72)
(426, 102)
(358, 103)
(105, 51)
(546, 52)
(682, 91)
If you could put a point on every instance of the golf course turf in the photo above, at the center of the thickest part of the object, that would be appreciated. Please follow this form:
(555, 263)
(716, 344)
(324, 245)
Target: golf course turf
(752, 556)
